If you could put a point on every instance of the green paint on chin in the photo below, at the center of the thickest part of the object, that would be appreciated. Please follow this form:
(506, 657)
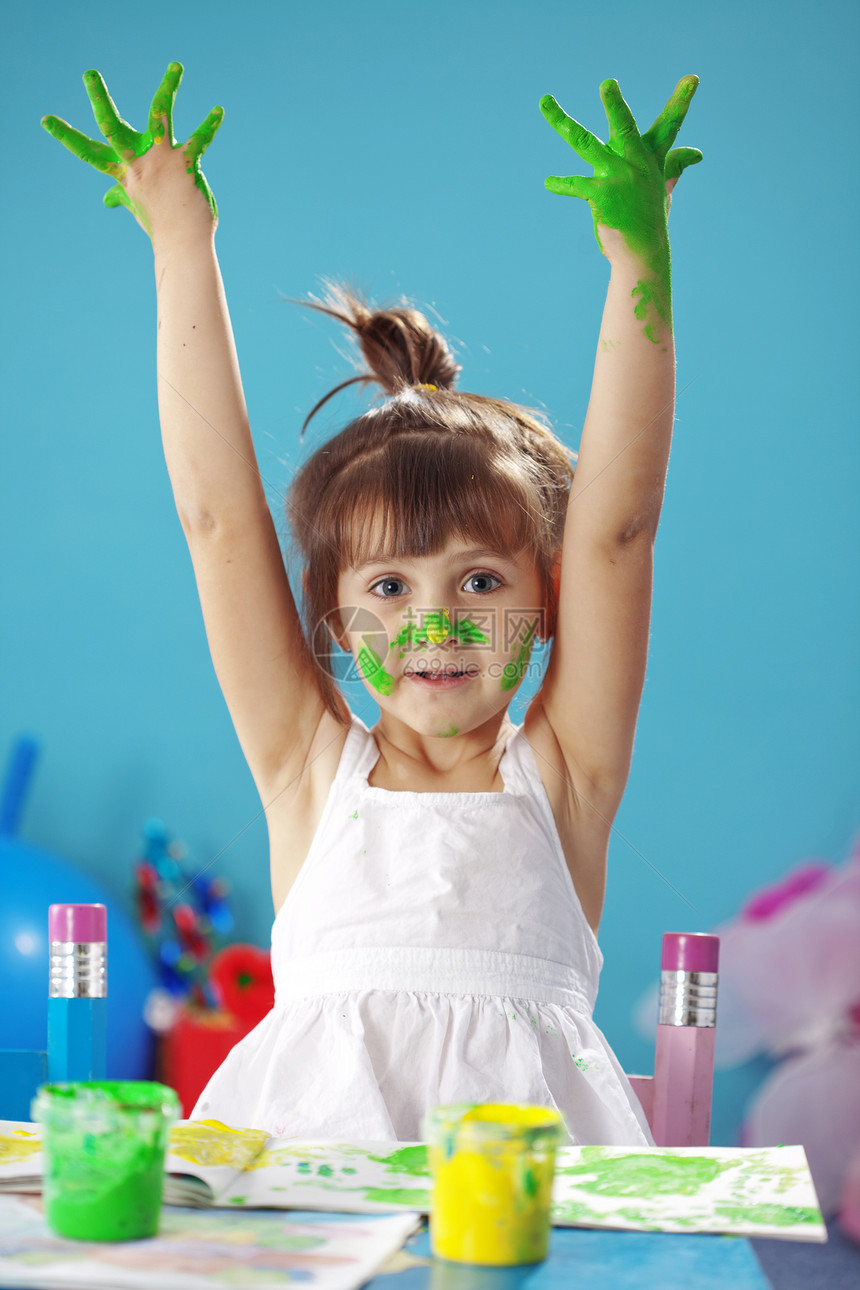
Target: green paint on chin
(372, 670)
(514, 671)
(449, 733)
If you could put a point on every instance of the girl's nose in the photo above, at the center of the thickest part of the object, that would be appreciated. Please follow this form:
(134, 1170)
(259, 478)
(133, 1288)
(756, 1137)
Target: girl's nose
(438, 626)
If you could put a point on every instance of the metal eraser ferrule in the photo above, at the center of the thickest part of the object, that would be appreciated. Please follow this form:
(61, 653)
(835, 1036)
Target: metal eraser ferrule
(688, 998)
(78, 970)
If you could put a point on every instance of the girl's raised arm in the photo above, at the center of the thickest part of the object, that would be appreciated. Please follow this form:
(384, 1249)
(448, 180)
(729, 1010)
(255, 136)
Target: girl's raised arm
(594, 682)
(266, 673)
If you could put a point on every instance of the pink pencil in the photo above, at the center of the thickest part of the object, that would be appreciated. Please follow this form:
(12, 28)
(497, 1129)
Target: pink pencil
(684, 1061)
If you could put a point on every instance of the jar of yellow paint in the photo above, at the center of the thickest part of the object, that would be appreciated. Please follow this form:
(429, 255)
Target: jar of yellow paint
(493, 1168)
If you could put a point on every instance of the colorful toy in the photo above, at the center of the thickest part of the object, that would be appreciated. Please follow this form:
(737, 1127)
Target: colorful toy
(209, 997)
(182, 915)
(241, 979)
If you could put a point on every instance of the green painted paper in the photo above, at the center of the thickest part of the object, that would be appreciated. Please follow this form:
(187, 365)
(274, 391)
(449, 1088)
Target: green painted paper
(762, 1191)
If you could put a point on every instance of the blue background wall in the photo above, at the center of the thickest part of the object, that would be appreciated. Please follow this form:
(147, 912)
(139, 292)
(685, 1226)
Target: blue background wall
(402, 146)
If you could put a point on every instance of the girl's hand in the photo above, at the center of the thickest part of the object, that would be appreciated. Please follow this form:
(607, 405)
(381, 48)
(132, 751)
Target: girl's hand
(630, 191)
(633, 173)
(150, 178)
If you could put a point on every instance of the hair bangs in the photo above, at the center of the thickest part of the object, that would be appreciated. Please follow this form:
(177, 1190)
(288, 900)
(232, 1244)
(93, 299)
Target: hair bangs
(412, 494)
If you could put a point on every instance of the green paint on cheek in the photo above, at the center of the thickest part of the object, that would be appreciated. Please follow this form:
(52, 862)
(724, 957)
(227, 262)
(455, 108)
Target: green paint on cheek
(513, 672)
(373, 671)
(467, 633)
(408, 1160)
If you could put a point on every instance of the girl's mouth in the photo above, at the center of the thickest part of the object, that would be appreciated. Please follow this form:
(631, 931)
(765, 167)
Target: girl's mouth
(438, 678)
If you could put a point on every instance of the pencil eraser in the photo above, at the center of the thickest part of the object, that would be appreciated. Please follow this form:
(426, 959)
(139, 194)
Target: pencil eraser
(690, 952)
(77, 923)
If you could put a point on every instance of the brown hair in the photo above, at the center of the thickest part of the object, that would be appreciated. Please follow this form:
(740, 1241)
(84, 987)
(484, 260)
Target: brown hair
(427, 463)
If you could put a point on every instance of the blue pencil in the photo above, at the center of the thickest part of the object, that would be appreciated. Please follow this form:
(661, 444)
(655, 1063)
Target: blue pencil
(77, 992)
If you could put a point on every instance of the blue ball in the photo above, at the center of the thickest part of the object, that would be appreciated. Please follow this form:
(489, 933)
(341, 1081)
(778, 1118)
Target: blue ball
(32, 880)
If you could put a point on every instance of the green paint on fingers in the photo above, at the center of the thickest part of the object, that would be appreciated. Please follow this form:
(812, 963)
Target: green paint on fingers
(125, 144)
(161, 107)
(628, 189)
(372, 670)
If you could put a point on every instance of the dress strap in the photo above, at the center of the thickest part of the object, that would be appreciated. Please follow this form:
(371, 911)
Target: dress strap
(518, 767)
(360, 755)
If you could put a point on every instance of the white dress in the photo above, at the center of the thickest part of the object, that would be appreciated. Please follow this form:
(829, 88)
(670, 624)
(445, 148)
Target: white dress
(432, 951)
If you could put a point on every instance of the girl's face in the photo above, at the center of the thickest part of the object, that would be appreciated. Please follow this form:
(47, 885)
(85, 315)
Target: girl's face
(442, 641)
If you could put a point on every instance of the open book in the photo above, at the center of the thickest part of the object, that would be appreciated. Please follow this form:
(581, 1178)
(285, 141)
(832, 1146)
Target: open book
(766, 1191)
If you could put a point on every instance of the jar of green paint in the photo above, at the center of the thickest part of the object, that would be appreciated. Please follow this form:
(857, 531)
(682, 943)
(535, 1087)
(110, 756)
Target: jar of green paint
(104, 1144)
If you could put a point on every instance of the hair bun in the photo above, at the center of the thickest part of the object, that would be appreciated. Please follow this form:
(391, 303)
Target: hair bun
(399, 345)
(401, 348)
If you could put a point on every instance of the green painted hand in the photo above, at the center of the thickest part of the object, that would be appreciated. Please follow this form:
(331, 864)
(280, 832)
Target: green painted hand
(628, 190)
(125, 144)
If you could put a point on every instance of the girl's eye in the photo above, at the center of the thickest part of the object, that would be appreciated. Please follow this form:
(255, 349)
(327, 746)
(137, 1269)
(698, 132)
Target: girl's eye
(389, 587)
(482, 582)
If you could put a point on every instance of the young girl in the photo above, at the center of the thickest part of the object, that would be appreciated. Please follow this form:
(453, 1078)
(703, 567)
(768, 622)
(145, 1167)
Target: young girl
(438, 881)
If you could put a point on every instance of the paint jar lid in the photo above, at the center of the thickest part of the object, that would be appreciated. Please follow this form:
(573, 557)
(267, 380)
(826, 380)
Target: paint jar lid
(690, 952)
(77, 923)
(488, 1126)
(100, 1105)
